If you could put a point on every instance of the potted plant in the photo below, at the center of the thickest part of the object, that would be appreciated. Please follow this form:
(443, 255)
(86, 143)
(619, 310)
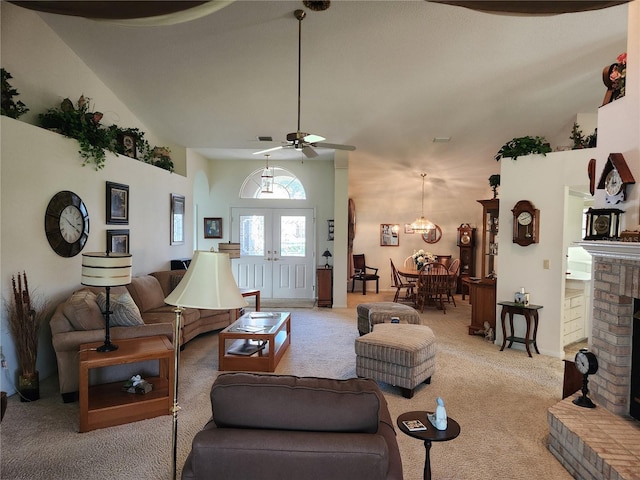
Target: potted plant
(494, 183)
(10, 107)
(520, 146)
(25, 315)
(579, 140)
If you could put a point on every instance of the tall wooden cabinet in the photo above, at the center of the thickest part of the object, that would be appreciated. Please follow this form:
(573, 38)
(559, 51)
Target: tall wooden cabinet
(324, 285)
(482, 292)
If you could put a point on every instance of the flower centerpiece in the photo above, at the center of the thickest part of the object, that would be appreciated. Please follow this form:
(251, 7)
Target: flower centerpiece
(614, 77)
(420, 257)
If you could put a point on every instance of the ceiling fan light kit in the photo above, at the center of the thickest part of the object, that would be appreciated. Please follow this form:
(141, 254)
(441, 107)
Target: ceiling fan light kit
(299, 140)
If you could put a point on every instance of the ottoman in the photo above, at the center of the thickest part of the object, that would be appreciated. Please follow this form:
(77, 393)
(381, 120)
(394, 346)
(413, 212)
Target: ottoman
(403, 355)
(381, 312)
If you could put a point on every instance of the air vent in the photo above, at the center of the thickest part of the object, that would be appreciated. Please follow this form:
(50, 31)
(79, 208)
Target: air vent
(265, 139)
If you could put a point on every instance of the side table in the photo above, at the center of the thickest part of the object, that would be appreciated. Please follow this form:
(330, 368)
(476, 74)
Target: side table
(431, 434)
(529, 312)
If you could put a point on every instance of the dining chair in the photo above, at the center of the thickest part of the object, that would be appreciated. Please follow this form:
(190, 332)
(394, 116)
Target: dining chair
(454, 273)
(363, 273)
(409, 262)
(432, 285)
(399, 284)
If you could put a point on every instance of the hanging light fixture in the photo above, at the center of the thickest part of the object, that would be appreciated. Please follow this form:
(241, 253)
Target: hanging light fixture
(422, 224)
(267, 178)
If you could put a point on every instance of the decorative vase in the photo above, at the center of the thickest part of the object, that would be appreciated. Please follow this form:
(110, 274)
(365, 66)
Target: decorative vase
(29, 387)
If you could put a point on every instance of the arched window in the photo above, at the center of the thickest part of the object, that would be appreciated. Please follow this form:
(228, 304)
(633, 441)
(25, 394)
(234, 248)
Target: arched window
(285, 185)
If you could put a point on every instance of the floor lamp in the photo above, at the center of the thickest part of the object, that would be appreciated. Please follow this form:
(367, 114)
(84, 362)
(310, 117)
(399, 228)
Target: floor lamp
(107, 270)
(208, 284)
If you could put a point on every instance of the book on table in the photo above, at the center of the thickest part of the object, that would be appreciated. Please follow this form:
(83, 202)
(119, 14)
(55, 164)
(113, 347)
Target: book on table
(414, 425)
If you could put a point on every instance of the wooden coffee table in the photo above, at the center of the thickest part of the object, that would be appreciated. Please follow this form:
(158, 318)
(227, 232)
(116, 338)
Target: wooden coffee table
(255, 342)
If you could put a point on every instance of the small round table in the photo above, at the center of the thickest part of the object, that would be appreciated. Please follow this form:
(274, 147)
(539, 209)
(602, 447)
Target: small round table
(431, 434)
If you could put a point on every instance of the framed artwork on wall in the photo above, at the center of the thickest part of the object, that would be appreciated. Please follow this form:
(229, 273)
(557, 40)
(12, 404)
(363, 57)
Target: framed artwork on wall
(127, 143)
(389, 234)
(118, 241)
(177, 219)
(213, 227)
(408, 228)
(330, 230)
(117, 204)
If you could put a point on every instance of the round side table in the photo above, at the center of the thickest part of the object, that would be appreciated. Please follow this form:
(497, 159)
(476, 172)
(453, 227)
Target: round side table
(431, 434)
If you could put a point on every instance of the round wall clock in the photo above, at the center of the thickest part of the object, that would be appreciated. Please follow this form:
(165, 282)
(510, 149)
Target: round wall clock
(66, 223)
(526, 223)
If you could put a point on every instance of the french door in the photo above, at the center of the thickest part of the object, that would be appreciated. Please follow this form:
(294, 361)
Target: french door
(276, 251)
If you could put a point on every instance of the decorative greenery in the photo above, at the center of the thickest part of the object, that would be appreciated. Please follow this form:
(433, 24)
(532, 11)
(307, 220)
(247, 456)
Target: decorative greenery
(521, 146)
(580, 141)
(95, 139)
(618, 75)
(10, 108)
(494, 183)
(25, 314)
(420, 257)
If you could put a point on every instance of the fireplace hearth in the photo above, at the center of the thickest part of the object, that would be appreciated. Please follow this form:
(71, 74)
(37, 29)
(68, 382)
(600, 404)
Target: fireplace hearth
(634, 399)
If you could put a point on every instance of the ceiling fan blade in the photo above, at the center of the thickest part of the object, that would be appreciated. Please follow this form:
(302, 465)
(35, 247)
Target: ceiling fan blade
(312, 138)
(309, 152)
(334, 146)
(268, 150)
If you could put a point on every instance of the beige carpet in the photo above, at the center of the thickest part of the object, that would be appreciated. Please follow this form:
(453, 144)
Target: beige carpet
(499, 398)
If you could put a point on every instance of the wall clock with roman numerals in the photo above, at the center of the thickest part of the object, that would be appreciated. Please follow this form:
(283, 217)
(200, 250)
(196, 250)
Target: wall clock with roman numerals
(66, 223)
(615, 177)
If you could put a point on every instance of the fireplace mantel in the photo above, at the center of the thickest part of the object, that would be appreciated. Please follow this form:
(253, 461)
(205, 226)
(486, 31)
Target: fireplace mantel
(629, 250)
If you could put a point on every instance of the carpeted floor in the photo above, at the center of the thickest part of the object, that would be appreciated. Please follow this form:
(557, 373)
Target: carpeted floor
(499, 398)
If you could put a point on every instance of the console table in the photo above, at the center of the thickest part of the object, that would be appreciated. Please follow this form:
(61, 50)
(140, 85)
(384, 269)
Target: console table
(530, 313)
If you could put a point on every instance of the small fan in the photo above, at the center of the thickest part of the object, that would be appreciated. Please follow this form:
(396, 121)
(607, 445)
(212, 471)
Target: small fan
(299, 140)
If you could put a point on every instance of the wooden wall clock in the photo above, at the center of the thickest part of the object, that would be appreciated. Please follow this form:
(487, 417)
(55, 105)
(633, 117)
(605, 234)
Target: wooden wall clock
(615, 177)
(526, 223)
(66, 224)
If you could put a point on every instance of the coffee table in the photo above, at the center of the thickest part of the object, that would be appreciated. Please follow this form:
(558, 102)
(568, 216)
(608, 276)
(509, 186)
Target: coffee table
(255, 342)
(431, 434)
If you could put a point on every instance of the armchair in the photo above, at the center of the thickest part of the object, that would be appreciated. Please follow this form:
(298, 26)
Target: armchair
(363, 273)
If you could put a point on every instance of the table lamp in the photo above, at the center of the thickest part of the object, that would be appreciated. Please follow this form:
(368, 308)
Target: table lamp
(208, 284)
(326, 255)
(106, 270)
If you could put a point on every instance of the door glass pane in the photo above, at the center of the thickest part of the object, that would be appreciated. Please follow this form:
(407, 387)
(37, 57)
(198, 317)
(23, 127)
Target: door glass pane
(292, 236)
(252, 235)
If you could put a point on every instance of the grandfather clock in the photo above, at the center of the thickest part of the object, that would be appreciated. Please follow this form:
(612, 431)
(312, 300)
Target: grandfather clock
(467, 244)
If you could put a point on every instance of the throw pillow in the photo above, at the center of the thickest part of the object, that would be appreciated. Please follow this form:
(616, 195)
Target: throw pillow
(83, 312)
(125, 311)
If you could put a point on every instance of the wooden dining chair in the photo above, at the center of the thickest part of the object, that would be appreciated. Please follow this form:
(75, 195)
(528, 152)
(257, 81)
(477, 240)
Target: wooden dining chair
(399, 283)
(363, 273)
(454, 273)
(432, 285)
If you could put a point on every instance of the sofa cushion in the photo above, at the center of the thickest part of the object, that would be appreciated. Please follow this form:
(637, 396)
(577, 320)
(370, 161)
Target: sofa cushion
(83, 312)
(146, 292)
(125, 311)
(313, 404)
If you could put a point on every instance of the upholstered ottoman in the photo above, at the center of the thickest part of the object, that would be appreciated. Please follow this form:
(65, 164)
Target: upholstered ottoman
(403, 355)
(381, 312)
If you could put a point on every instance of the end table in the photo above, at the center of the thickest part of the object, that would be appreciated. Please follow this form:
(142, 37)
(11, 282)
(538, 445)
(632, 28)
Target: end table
(529, 312)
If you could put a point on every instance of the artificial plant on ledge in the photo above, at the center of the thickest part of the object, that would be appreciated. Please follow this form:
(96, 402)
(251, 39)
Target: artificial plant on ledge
(10, 107)
(79, 122)
(520, 146)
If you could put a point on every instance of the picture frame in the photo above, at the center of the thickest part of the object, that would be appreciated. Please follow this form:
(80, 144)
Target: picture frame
(213, 227)
(389, 235)
(118, 241)
(177, 219)
(408, 229)
(117, 204)
(127, 142)
(330, 227)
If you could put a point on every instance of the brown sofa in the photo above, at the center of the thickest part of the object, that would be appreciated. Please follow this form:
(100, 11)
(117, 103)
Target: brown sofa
(286, 428)
(79, 320)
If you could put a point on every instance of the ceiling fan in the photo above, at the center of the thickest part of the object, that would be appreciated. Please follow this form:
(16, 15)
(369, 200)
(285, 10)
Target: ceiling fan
(298, 140)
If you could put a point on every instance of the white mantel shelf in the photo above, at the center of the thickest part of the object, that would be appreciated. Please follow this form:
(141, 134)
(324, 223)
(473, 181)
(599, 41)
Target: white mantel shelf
(630, 250)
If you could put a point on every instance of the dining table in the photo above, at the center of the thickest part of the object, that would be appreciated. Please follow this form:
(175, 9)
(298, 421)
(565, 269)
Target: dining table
(411, 273)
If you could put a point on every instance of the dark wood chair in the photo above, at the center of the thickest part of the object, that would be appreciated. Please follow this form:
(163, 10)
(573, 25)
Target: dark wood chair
(454, 273)
(399, 284)
(363, 273)
(432, 286)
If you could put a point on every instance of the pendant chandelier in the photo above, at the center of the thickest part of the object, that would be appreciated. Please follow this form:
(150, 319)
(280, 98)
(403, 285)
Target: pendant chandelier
(267, 178)
(422, 224)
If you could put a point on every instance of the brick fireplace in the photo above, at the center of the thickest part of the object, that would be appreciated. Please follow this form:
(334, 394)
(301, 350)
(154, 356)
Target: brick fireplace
(604, 443)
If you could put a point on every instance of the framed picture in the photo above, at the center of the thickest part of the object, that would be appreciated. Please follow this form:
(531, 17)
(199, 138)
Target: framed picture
(177, 219)
(389, 234)
(330, 230)
(127, 143)
(408, 228)
(212, 228)
(117, 204)
(118, 241)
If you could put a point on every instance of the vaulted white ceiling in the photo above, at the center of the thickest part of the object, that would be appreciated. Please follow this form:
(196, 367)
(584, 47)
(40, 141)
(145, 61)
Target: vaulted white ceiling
(385, 76)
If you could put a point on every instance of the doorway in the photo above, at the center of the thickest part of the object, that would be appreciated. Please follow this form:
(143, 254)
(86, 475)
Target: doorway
(276, 250)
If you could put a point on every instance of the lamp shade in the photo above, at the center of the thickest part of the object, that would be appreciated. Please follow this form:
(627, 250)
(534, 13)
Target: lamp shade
(326, 253)
(208, 284)
(100, 269)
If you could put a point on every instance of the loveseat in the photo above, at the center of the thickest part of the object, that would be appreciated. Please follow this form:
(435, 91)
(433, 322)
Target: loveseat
(138, 311)
(289, 428)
